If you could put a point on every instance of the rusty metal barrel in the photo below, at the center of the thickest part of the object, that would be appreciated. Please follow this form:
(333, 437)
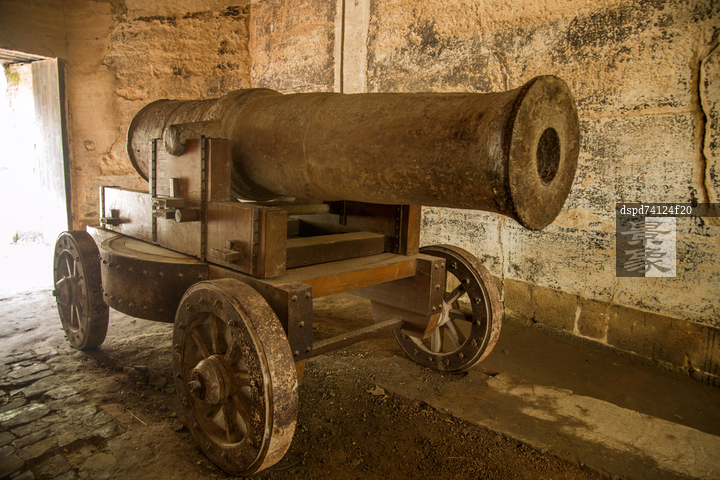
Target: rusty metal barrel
(513, 153)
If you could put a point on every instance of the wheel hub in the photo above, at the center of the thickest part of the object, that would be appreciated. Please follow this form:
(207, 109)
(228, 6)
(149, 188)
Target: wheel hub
(66, 290)
(211, 380)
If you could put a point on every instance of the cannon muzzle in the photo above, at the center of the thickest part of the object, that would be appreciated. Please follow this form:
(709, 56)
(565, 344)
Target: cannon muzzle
(513, 153)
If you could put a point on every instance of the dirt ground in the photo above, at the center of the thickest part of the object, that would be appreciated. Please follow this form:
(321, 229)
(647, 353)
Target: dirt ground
(348, 427)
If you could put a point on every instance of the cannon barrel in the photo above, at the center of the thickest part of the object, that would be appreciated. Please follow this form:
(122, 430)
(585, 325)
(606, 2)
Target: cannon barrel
(514, 152)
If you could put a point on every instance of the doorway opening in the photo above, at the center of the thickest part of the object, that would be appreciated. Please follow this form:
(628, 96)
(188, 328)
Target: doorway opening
(34, 186)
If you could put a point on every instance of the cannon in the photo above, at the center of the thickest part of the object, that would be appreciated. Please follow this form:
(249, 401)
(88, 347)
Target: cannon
(258, 203)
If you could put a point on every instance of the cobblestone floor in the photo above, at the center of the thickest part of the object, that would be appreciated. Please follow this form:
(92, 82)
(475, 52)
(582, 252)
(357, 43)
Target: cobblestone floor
(48, 430)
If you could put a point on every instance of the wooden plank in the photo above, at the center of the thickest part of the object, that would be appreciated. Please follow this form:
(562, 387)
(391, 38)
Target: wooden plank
(134, 209)
(422, 293)
(410, 229)
(219, 178)
(181, 177)
(99, 234)
(356, 336)
(262, 243)
(272, 248)
(414, 324)
(329, 248)
(336, 277)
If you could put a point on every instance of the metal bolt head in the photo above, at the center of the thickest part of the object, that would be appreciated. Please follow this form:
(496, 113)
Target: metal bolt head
(232, 323)
(294, 298)
(194, 386)
(296, 353)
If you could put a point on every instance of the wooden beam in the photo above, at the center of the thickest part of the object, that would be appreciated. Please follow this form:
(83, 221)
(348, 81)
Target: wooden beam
(305, 251)
(356, 336)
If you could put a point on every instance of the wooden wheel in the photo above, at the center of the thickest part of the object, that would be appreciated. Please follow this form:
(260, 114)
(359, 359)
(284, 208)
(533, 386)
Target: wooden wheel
(78, 290)
(235, 376)
(471, 319)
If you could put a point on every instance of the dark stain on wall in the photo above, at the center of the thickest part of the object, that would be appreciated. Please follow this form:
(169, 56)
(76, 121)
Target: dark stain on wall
(159, 18)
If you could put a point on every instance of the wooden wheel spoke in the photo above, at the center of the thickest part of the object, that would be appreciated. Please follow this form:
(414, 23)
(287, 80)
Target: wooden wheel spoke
(214, 336)
(241, 379)
(231, 429)
(456, 314)
(200, 344)
(232, 348)
(454, 334)
(75, 316)
(70, 270)
(436, 341)
(455, 294)
(243, 409)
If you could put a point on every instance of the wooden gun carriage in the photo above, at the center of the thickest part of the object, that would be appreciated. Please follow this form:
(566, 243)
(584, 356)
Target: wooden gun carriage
(259, 203)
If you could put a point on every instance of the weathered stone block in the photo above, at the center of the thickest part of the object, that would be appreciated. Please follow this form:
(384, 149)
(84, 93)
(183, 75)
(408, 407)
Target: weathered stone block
(43, 385)
(106, 431)
(293, 45)
(593, 318)
(60, 393)
(27, 371)
(9, 464)
(99, 466)
(5, 438)
(28, 429)
(31, 439)
(52, 467)
(554, 309)
(518, 299)
(38, 449)
(676, 341)
(15, 403)
(23, 415)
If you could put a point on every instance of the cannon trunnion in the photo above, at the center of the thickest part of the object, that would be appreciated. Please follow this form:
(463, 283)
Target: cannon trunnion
(258, 203)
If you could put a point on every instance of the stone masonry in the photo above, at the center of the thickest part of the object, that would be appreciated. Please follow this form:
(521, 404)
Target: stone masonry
(48, 430)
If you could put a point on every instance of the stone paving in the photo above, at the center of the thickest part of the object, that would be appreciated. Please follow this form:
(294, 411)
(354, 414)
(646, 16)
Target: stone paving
(48, 430)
